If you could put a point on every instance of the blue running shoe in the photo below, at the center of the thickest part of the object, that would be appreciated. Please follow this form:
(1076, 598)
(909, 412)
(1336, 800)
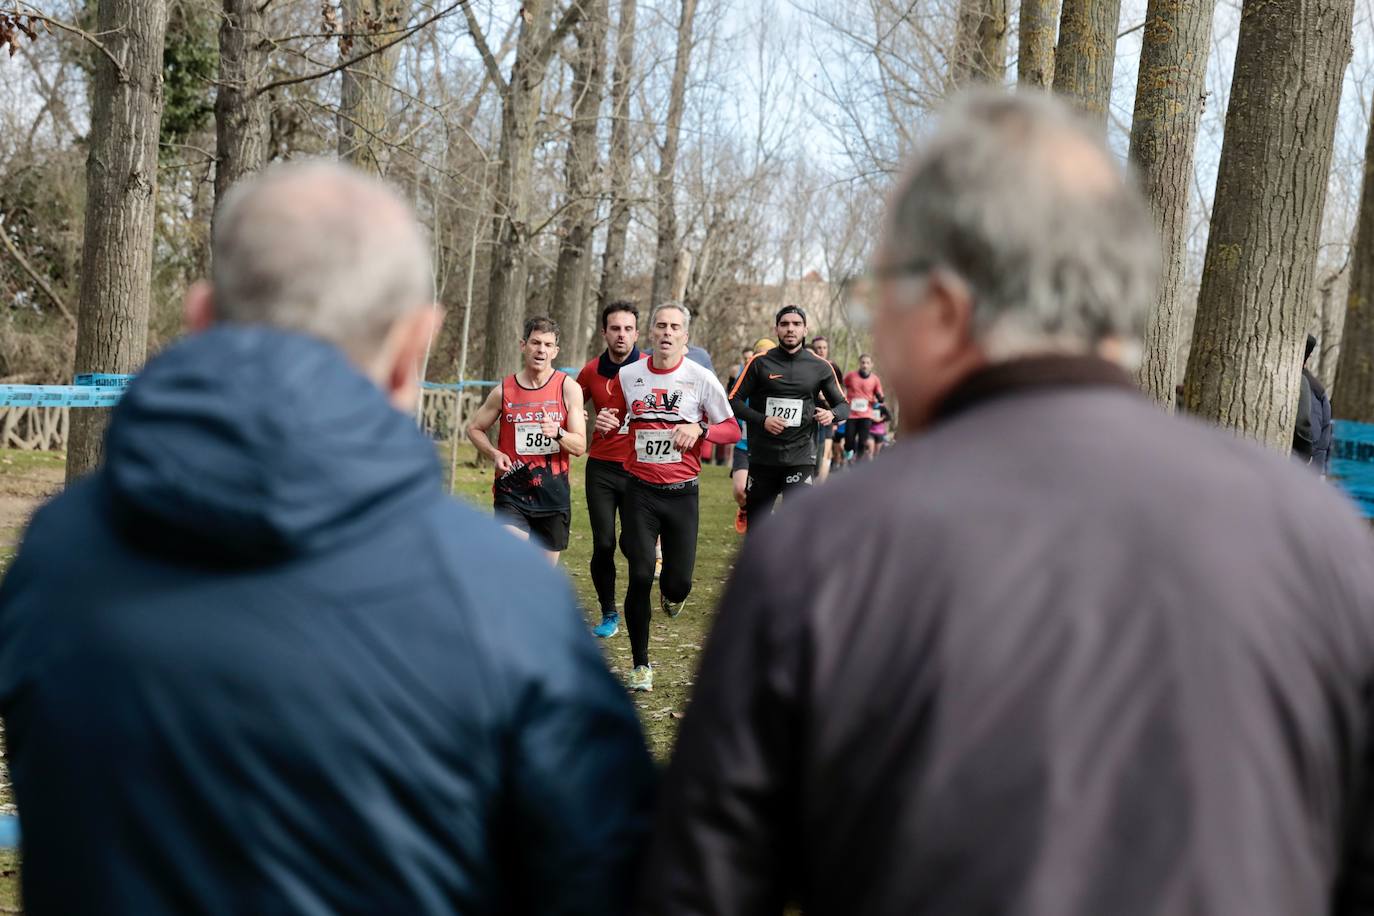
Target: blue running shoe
(609, 626)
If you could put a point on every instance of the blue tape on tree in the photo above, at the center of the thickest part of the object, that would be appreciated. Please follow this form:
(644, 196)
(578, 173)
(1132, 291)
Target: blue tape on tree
(58, 396)
(9, 830)
(103, 380)
(1352, 462)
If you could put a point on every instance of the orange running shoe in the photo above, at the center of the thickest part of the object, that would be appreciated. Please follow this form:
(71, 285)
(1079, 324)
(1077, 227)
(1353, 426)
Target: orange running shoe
(741, 521)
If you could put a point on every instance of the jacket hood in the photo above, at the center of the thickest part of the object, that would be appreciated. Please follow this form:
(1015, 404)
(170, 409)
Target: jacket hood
(248, 443)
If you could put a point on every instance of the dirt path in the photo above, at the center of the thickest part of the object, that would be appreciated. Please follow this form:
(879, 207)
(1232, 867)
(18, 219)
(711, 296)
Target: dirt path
(26, 480)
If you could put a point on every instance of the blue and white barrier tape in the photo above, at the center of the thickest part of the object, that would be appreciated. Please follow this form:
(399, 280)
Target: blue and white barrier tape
(1352, 462)
(456, 386)
(58, 396)
(102, 380)
(98, 389)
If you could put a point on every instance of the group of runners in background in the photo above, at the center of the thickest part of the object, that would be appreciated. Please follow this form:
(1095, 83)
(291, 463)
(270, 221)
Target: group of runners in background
(790, 416)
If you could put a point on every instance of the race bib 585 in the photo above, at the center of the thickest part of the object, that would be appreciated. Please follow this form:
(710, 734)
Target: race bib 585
(530, 440)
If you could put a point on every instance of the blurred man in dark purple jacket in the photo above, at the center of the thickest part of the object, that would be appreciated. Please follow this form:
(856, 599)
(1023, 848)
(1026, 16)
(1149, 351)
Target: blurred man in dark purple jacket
(1081, 657)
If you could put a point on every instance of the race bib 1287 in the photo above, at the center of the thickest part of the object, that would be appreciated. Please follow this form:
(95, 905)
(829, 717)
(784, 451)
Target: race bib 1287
(788, 410)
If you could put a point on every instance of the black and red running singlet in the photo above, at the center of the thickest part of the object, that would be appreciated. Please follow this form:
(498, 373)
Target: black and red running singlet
(538, 480)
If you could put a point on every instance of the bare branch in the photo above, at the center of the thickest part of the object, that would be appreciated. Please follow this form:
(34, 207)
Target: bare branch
(571, 17)
(28, 10)
(475, 30)
(35, 276)
(343, 65)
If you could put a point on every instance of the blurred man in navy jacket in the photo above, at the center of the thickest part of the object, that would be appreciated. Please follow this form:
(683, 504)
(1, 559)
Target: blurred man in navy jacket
(259, 662)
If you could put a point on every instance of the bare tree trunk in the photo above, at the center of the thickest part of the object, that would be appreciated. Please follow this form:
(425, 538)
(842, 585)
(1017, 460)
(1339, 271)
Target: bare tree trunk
(1353, 392)
(1331, 297)
(1256, 294)
(1035, 42)
(980, 43)
(240, 112)
(520, 102)
(613, 263)
(1168, 104)
(366, 87)
(121, 203)
(574, 250)
(1086, 53)
(665, 187)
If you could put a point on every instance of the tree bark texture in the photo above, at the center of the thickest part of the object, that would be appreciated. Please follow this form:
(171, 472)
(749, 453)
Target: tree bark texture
(980, 43)
(574, 249)
(1168, 105)
(1353, 393)
(613, 263)
(1086, 53)
(240, 112)
(521, 98)
(366, 87)
(1035, 43)
(121, 206)
(1256, 295)
(664, 185)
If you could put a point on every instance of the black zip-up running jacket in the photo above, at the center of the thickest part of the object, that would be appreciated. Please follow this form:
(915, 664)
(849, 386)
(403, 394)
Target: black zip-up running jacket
(785, 384)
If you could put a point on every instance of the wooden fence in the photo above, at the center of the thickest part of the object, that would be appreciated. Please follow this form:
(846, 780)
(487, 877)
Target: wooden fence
(32, 429)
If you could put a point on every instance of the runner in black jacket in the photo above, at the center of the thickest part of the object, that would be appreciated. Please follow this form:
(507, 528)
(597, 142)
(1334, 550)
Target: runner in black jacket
(776, 395)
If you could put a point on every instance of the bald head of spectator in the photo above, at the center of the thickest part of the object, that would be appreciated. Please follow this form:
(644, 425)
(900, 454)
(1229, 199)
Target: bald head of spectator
(324, 250)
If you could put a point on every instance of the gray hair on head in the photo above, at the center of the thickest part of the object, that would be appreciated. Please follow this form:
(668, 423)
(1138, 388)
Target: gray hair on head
(686, 314)
(322, 249)
(1022, 200)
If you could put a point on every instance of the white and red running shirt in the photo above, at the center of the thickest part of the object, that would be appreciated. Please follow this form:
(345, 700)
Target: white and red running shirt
(657, 401)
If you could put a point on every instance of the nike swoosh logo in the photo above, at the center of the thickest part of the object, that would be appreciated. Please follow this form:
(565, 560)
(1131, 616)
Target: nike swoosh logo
(771, 376)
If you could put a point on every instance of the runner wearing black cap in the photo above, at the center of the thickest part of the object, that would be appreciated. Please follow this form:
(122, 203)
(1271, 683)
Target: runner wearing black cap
(776, 395)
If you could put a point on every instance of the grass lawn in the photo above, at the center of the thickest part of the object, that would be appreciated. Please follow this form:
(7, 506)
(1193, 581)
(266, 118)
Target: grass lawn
(26, 478)
(674, 644)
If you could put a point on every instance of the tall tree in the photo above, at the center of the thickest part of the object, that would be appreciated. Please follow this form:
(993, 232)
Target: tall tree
(1086, 53)
(240, 110)
(575, 244)
(1353, 392)
(665, 264)
(1035, 42)
(1168, 105)
(1256, 293)
(121, 203)
(980, 43)
(613, 263)
(366, 88)
(520, 101)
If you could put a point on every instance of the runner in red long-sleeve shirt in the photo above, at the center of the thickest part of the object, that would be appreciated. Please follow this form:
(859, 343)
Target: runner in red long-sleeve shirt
(863, 389)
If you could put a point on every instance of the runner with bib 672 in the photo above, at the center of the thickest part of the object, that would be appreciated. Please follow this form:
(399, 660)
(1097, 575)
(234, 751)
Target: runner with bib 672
(673, 406)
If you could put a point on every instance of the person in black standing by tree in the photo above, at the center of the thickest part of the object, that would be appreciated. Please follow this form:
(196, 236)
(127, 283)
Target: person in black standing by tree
(1313, 432)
